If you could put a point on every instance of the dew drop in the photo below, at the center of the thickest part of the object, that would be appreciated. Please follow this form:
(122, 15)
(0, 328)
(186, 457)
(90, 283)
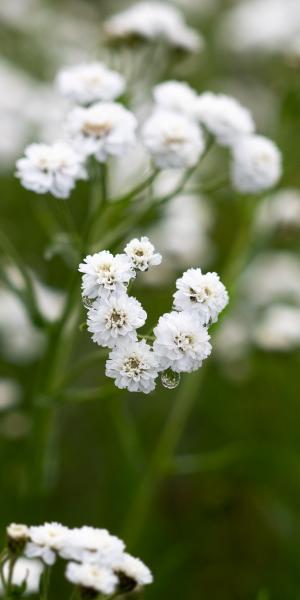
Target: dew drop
(87, 302)
(170, 379)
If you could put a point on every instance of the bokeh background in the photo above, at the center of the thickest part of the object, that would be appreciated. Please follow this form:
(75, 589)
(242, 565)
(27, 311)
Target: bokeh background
(221, 518)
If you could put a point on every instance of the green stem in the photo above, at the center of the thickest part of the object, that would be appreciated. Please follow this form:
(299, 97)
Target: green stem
(45, 583)
(138, 189)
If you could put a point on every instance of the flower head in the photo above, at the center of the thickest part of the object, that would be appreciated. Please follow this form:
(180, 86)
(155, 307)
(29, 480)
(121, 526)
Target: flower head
(142, 254)
(151, 21)
(51, 168)
(92, 577)
(133, 366)
(173, 140)
(131, 572)
(202, 293)
(256, 164)
(177, 96)
(102, 130)
(181, 342)
(105, 273)
(45, 541)
(115, 317)
(17, 536)
(224, 117)
(92, 545)
(88, 83)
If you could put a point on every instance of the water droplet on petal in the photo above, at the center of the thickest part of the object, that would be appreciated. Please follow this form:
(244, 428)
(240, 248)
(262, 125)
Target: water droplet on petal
(170, 379)
(87, 302)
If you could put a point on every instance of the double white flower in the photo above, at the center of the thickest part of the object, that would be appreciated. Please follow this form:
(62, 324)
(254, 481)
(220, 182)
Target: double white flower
(88, 83)
(202, 294)
(105, 273)
(51, 168)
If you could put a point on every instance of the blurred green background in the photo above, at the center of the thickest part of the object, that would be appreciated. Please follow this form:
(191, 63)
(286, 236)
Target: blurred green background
(221, 520)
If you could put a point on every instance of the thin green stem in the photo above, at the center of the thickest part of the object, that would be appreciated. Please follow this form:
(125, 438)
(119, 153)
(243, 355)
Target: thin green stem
(45, 583)
(138, 189)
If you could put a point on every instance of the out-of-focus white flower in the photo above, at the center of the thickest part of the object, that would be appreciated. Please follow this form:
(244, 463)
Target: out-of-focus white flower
(133, 366)
(93, 546)
(272, 277)
(201, 293)
(173, 140)
(279, 328)
(181, 342)
(104, 273)
(256, 164)
(92, 577)
(115, 317)
(260, 26)
(87, 83)
(103, 129)
(9, 393)
(142, 254)
(25, 570)
(232, 339)
(45, 541)
(133, 569)
(53, 169)
(177, 96)
(279, 211)
(151, 21)
(224, 117)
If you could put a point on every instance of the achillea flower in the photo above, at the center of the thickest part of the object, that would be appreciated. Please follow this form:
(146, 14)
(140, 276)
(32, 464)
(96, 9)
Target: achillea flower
(93, 546)
(151, 21)
(181, 342)
(133, 366)
(115, 318)
(201, 293)
(224, 117)
(88, 83)
(92, 577)
(173, 140)
(51, 168)
(105, 273)
(102, 130)
(45, 541)
(256, 164)
(142, 254)
(177, 96)
(131, 572)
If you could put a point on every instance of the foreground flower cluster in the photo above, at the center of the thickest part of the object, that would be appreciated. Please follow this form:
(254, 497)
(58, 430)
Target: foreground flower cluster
(97, 563)
(180, 339)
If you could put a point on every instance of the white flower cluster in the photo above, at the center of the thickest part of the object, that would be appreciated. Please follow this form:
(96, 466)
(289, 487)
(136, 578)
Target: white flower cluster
(97, 560)
(154, 21)
(181, 340)
(98, 126)
(174, 130)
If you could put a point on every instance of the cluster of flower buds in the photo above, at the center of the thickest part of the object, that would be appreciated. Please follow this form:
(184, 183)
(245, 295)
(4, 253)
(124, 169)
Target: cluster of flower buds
(180, 339)
(97, 561)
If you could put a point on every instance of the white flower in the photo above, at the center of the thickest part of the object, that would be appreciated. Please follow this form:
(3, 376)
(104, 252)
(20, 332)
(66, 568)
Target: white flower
(102, 130)
(154, 20)
(133, 366)
(105, 273)
(87, 83)
(202, 293)
(134, 569)
(173, 140)
(224, 117)
(115, 317)
(181, 343)
(177, 96)
(45, 541)
(279, 211)
(17, 531)
(279, 329)
(25, 570)
(50, 168)
(256, 164)
(93, 546)
(92, 577)
(142, 254)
